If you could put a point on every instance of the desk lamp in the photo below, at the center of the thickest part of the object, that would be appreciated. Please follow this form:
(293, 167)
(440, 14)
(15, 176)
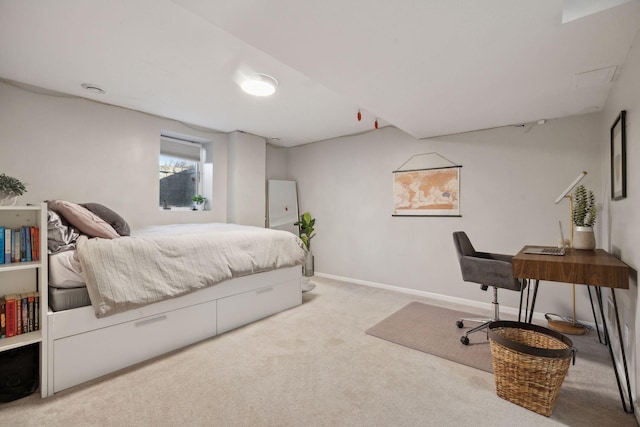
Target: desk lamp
(562, 326)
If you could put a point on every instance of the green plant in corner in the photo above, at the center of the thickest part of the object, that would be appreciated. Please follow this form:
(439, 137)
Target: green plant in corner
(305, 227)
(11, 186)
(584, 212)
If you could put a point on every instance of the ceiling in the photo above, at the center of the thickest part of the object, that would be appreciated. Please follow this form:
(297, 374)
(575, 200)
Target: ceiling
(429, 68)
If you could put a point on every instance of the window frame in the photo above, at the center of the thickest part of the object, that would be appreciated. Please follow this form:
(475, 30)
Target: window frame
(190, 145)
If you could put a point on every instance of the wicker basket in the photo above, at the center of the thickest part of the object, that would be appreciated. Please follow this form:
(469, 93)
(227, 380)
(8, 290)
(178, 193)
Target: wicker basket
(529, 364)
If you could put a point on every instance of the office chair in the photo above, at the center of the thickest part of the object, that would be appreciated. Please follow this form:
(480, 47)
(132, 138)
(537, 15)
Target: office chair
(486, 269)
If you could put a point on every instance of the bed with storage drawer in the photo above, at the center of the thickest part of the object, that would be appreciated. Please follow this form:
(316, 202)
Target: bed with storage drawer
(115, 302)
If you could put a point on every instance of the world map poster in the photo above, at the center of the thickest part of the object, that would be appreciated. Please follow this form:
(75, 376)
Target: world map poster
(429, 192)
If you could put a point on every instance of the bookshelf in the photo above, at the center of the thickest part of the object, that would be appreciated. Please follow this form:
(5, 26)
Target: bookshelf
(24, 277)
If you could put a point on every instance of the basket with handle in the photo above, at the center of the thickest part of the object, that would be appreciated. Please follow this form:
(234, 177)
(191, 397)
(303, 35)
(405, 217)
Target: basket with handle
(529, 363)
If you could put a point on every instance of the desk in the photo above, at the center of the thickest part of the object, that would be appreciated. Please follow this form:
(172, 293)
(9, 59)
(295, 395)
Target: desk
(592, 268)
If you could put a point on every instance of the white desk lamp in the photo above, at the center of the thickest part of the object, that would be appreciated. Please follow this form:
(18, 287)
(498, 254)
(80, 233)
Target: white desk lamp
(559, 325)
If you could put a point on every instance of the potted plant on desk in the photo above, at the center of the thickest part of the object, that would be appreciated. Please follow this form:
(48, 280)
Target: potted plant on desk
(584, 214)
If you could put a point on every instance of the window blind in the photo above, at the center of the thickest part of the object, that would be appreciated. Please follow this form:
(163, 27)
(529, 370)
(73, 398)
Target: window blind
(186, 150)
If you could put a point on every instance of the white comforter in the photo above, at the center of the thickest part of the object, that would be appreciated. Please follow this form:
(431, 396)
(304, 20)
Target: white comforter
(169, 261)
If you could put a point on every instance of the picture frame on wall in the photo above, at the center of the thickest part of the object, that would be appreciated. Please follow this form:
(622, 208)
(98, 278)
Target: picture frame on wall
(427, 192)
(619, 158)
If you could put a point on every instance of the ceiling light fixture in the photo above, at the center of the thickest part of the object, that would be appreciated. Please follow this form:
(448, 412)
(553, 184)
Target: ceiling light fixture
(259, 84)
(92, 88)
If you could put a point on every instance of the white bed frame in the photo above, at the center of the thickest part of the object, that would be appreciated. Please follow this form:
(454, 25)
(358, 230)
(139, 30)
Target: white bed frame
(82, 347)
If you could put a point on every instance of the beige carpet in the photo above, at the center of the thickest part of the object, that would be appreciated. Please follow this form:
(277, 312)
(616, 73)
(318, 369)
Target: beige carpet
(314, 365)
(432, 329)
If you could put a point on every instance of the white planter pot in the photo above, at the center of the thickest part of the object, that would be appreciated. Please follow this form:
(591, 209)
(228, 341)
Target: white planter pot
(584, 238)
(308, 264)
(7, 199)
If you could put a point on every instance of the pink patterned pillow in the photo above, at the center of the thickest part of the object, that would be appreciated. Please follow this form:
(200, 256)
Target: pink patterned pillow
(83, 219)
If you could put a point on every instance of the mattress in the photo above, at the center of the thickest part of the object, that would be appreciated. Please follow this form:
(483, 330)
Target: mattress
(66, 285)
(67, 298)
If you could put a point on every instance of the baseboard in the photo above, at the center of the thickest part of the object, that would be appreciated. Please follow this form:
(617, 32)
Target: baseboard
(438, 297)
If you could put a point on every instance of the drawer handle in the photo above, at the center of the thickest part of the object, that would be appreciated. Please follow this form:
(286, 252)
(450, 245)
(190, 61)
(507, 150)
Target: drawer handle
(152, 320)
(263, 291)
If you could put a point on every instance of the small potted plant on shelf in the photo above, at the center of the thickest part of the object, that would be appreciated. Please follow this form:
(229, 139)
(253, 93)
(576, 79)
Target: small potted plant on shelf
(584, 214)
(199, 202)
(306, 231)
(10, 189)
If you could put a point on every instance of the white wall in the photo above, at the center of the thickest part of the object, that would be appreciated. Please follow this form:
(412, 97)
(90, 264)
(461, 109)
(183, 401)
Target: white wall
(246, 200)
(84, 151)
(277, 163)
(621, 226)
(509, 181)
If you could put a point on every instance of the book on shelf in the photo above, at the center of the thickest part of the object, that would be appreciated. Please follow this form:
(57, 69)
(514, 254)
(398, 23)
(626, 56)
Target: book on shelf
(36, 311)
(15, 237)
(31, 313)
(3, 319)
(35, 243)
(27, 243)
(10, 318)
(8, 244)
(23, 254)
(18, 314)
(24, 298)
(19, 245)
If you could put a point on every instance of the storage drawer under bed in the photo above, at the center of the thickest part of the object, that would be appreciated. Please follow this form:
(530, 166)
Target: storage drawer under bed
(247, 307)
(115, 347)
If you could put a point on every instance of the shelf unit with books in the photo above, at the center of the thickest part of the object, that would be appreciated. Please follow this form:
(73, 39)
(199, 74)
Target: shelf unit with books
(26, 277)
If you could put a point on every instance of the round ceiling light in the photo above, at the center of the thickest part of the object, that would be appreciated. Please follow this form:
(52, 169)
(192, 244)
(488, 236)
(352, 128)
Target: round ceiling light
(259, 84)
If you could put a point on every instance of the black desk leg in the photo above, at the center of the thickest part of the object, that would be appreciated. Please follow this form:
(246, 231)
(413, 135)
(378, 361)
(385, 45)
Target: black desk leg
(630, 409)
(595, 319)
(523, 284)
(533, 301)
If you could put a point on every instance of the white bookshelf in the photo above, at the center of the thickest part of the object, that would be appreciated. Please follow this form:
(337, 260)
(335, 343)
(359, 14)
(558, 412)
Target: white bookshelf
(16, 278)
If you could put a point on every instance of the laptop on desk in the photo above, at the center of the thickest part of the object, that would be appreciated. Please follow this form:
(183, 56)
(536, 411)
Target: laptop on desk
(548, 250)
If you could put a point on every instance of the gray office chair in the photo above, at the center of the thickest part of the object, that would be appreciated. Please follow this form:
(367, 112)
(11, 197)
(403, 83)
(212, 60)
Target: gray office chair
(486, 269)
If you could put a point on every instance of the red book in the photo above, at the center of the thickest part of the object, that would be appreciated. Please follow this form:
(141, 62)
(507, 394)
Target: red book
(10, 308)
(37, 243)
(32, 237)
(18, 299)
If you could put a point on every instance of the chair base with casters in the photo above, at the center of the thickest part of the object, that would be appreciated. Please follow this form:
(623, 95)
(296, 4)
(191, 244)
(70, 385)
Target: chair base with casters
(484, 322)
(485, 269)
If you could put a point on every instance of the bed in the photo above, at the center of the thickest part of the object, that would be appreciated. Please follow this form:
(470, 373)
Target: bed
(102, 319)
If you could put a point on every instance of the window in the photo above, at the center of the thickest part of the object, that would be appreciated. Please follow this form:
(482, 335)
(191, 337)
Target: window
(180, 172)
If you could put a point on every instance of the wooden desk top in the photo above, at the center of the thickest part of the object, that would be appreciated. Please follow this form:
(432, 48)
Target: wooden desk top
(596, 268)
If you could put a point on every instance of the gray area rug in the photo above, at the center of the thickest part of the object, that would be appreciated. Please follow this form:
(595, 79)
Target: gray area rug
(433, 330)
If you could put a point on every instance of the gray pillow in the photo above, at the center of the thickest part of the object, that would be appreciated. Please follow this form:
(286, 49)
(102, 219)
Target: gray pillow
(110, 217)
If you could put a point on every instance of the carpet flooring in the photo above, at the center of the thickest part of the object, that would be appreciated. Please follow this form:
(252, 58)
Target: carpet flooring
(432, 330)
(315, 366)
